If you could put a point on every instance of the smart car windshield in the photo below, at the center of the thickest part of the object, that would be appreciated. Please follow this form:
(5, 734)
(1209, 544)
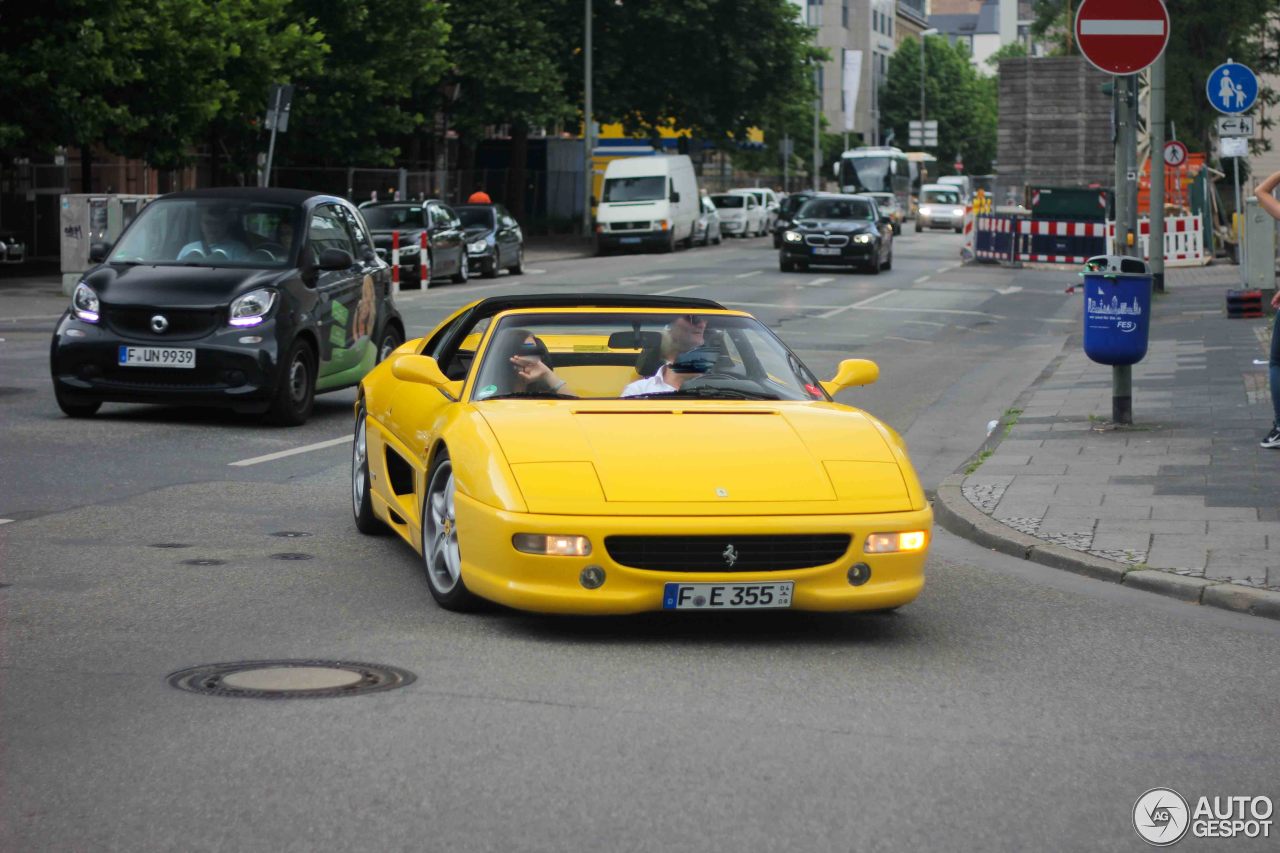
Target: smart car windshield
(834, 208)
(607, 355)
(210, 232)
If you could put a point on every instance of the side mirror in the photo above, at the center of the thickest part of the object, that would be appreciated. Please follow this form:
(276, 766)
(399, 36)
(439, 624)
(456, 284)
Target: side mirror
(675, 198)
(424, 370)
(853, 372)
(885, 220)
(335, 259)
(98, 252)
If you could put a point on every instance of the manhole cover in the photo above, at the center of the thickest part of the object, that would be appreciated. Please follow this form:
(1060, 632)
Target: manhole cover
(291, 534)
(204, 561)
(291, 556)
(168, 545)
(290, 679)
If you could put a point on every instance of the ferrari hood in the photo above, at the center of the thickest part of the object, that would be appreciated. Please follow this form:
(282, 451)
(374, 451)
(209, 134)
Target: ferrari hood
(697, 458)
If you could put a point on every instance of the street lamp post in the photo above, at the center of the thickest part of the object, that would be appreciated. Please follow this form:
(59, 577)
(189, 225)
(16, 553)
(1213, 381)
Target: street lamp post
(923, 35)
(587, 147)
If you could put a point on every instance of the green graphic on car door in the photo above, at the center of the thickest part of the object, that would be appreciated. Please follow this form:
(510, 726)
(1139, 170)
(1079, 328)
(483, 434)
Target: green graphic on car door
(353, 352)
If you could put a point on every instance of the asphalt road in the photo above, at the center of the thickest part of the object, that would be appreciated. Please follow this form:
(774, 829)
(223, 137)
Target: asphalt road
(1012, 707)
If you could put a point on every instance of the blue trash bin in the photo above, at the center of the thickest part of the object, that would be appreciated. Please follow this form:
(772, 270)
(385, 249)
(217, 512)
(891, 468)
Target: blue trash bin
(1117, 309)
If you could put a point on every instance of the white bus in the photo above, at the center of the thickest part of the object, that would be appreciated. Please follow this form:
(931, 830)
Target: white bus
(876, 170)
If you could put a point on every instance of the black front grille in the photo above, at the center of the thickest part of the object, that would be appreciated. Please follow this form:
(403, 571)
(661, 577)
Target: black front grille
(827, 240)
(727, 553)
(158, 379)
(630, 226)
(184, 324)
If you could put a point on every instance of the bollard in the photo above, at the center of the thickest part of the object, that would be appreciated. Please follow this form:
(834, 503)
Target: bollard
(395, 262)
(424, 262)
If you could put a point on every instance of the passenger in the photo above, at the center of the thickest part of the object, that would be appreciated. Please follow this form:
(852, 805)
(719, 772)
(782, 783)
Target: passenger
(217, 236)
(686, 334)
(532, 366)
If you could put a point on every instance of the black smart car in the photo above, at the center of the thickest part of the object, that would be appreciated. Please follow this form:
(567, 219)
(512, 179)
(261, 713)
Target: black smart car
(838, 230)
(494, 239)
(249, 298)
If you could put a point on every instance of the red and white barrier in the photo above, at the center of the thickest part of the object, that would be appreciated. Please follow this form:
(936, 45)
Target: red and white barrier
(966, 249)
(395, 262)
(1032, 227)
(424, 262)
(1183, 240)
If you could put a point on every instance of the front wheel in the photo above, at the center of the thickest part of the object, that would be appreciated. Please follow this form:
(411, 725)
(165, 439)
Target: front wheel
(361, 502)
(441, 554)
(391, 339)
(464, 270)
(786, 265)
(296, 391)
(888, 264)
(490, 270)
(919, 228)
(518, 267)
(74, 408)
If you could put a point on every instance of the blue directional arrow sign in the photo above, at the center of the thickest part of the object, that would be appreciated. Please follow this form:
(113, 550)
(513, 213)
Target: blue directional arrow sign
(1232, 88)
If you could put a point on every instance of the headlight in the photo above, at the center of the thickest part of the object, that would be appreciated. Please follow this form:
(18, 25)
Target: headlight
(409, 249)
(887, 543)
(862, 238)
(252, 308)
(477, 247)
(925, 210)
(792, 237)
(84, 303)
(661, 225)
(552, 546)
(959, 211)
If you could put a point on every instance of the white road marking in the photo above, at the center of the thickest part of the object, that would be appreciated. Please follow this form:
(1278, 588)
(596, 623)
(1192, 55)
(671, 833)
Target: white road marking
(535, 272)
(748, 274)
(633, 280)
(1005, 291)
(6, 520)
(922, 279)
(907, 340)
(39, 317)
(306, 448)
(677, 289)
(818, 282)
(926, 323)
(833, 312)
(835, 309)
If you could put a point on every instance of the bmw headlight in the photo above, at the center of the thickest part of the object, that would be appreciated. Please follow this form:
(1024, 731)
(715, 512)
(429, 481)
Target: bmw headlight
(862, 238)
(478, 247)
(792, 237)
(84, 303)
(252, 308)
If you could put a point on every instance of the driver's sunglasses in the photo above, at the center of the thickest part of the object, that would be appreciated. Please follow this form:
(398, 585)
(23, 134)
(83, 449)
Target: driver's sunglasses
(694, 319)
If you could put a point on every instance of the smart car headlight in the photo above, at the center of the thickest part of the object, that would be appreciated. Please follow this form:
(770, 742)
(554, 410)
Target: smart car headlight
(84, 303)
(862, 238)
(792, 237)
(477, 247)
(888, 543)
(252, 308)
(553, 545)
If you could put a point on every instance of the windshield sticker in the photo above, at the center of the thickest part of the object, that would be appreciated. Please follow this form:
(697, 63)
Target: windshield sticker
(486, 391)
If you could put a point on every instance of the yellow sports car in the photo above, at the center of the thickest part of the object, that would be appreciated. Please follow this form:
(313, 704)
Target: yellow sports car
(618, 454)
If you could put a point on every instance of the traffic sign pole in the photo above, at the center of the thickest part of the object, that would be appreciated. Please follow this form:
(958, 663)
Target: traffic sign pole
(1155, 122)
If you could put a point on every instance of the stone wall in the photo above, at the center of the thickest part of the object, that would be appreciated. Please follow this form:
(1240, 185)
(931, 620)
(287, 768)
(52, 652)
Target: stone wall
(1055, 123)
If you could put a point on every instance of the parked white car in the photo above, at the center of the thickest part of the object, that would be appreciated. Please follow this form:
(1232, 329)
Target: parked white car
(768, 201)
(740, 214)
(940, 207)
(707, 231)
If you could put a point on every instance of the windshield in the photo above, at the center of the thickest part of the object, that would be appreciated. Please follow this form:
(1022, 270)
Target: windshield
(608, 355)
(835, 208)
(475, 217)
(872, 173)
(941, 196)
(724, 201)
(391, 217)
(792, 203)
(648, 188)
(210, 232)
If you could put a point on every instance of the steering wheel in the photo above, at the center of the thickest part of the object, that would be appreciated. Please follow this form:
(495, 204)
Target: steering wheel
(192, 255)
(262, 254)
(276, 250)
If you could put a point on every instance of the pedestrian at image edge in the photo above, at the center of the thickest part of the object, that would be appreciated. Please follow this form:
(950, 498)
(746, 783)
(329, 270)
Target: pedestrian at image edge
(1272, 206)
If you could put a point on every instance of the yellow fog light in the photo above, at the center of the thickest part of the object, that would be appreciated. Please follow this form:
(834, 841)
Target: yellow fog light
(554, 545)
(886, 543)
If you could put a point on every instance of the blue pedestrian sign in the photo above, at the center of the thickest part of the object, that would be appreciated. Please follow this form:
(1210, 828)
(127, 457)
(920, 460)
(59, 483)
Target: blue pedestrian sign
(1232, 88)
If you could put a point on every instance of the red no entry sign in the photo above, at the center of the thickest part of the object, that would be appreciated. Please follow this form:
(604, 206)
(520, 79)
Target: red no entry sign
(1122, 36)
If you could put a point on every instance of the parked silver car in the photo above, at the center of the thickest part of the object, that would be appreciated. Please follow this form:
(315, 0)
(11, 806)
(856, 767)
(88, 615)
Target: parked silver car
(12, 248)
(707, 229)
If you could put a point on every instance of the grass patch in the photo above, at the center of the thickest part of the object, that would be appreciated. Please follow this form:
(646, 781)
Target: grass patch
(1011, 418)
(977, 463)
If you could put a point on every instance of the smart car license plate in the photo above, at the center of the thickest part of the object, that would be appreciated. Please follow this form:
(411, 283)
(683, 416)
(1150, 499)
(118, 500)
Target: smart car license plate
(157, 357)
(821, 251)
(727, 596)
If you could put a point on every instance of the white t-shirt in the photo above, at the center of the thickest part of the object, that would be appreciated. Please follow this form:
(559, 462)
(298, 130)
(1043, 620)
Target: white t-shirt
(655, 384)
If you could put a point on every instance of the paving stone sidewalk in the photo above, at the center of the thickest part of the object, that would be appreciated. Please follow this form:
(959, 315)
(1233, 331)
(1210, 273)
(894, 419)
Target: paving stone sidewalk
(1184, 502)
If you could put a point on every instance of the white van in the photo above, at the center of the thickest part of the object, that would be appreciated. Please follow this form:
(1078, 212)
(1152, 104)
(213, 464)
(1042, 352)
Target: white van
(647, 201)
(961, 182)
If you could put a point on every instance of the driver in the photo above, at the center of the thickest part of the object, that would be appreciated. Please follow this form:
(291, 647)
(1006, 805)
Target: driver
(217, 235)
(685, 335)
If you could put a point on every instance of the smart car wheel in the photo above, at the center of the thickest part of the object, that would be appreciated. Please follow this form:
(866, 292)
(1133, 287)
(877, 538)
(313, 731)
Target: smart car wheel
(361, 502)
(391, 338)
(441, 554)
(464, 270)
(296, 390)
(75, 408)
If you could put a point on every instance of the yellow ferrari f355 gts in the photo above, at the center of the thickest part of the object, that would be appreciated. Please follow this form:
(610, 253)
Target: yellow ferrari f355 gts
(617, 454)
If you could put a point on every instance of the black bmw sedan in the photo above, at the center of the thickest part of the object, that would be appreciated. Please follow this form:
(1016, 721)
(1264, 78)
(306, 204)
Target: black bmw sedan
(249, 298)
(838, 230)
(494, 239)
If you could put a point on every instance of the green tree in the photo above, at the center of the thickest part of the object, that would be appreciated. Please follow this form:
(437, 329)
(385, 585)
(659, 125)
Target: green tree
(384, 57)
(963, 102)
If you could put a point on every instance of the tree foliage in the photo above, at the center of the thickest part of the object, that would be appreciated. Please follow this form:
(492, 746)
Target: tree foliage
(962, 101)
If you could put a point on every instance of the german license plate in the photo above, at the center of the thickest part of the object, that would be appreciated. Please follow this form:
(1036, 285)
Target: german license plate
(727, 596)
(826, 251)
(156, 357)
(629, 240)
